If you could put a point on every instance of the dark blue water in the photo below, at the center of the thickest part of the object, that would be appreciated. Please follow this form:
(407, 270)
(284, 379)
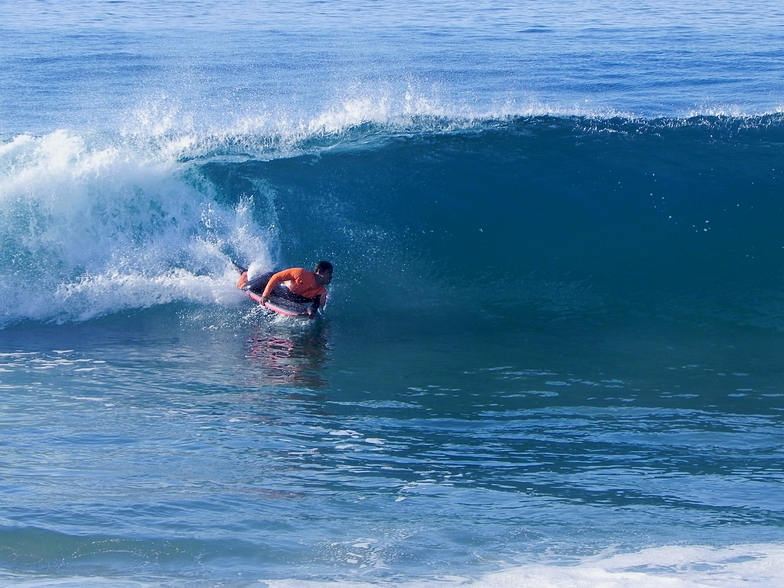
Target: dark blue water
(551, 353)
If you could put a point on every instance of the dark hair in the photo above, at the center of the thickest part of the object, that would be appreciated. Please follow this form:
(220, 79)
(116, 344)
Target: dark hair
(323, 266)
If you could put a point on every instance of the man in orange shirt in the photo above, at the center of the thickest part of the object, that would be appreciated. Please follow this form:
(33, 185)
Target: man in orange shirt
(295, 284)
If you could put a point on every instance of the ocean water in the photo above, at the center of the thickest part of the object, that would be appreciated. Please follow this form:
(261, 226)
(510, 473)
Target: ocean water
(552, 352)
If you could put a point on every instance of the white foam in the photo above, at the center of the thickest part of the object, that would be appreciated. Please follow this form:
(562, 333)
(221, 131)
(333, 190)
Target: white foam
(671, 566)
(93, 224)
(751, 566)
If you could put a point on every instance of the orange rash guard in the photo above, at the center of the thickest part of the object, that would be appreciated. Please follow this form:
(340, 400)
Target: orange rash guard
(300, 281)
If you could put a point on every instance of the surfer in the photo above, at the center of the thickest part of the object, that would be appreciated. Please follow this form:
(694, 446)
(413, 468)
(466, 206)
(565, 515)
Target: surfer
(296, 284)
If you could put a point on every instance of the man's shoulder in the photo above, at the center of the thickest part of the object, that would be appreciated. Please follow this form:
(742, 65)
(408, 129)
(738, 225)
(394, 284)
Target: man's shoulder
(294, 271)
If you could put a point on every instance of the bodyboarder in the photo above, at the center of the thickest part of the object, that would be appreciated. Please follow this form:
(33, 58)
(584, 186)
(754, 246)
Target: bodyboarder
(295, 284)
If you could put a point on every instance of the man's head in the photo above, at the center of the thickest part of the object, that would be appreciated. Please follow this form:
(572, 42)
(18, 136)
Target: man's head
(323, 271)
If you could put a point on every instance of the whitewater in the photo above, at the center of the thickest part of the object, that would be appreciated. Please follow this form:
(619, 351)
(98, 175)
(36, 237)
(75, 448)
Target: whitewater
(551, 351)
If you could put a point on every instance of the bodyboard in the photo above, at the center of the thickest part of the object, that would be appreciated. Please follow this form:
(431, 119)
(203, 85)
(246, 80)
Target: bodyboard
(283, 306)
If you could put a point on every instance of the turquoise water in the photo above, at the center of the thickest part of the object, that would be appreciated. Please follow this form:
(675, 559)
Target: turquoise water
(551, 354)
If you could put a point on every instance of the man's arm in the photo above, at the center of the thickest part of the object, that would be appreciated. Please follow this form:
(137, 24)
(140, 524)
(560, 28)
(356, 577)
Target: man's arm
(314, 306)
(273, 281)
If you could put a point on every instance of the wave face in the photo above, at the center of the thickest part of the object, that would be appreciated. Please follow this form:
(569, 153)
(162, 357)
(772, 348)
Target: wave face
(429, 213)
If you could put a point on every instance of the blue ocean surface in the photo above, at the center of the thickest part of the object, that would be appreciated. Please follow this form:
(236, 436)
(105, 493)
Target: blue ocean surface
(552, 351)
